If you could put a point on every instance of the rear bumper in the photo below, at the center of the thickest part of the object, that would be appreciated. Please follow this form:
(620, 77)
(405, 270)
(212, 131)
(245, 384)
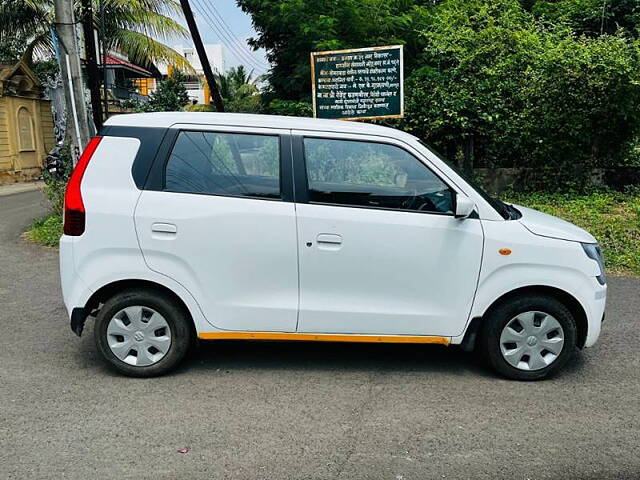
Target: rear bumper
(73, 288)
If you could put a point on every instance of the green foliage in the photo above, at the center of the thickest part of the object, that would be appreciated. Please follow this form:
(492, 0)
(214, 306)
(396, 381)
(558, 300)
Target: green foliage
(258, 155)
(612, 217)
(200, 107)
(290, 29)
(245, 104)
(136, 28)
(46, 231)
(352, 162)
(11, 49)
(553, 85)
(590, 17)
(289, 108)
(169, 96)
(55, 185)
(521, 93)
(45, 69)
(239, 90)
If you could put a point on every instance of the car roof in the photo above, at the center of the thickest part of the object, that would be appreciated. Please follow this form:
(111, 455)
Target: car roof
(167, 119)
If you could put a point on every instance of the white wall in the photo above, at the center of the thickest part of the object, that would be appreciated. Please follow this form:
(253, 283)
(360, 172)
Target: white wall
(215, 54)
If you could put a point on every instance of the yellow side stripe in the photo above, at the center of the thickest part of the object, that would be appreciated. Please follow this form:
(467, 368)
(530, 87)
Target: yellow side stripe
(323, 337)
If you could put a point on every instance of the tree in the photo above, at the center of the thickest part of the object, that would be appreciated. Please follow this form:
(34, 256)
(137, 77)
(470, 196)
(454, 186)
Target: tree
(589, 17)
(169, 96)
(289, 29)
(132, 27)
(239, 90)
(500, 87)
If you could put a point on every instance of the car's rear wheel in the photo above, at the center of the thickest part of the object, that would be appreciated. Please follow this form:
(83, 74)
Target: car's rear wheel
(142, 333)
(528, 337)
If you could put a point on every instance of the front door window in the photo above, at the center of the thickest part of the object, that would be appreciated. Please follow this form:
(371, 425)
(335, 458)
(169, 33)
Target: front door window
(375, 175)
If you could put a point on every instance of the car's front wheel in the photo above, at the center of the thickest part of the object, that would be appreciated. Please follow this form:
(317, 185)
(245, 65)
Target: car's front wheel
(528, 337)
(142, 333)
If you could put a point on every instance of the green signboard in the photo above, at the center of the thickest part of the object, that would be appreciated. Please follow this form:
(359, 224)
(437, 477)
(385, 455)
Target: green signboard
(363, 83)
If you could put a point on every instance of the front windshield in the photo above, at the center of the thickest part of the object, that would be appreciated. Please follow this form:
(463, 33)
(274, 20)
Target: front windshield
(502, 208)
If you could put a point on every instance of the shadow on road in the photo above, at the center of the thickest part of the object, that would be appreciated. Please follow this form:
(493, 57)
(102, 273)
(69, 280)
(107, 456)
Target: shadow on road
(327, 356)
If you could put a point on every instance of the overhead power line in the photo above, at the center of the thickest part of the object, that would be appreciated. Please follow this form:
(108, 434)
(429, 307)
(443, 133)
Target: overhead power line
(223, 29)
(228, 40)
(240, 42)
(202, 54)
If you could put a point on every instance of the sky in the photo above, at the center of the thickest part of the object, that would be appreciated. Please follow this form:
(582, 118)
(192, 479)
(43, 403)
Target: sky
(223, 22)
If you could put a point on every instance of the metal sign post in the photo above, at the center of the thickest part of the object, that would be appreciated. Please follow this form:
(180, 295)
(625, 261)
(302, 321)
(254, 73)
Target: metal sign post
(358, 84)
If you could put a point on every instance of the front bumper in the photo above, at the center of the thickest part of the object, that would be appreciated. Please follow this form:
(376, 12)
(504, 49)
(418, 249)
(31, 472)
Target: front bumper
(78, 318)
(595, 314)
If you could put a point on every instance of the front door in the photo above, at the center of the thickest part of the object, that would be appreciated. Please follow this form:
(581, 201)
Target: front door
(223, 227)
(380, 249)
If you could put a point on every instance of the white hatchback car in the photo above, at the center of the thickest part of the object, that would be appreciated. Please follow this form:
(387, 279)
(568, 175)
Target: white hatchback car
(227, 226)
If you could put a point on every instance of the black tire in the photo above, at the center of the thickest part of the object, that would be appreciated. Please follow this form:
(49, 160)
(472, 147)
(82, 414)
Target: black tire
(175, 315)
(499, 316)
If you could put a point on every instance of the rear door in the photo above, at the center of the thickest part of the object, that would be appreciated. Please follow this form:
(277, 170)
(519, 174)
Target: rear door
(380, 249)
(223, 225)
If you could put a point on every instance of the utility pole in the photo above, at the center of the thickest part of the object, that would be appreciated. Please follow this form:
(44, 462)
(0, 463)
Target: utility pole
(202, 54)
(93, 75)
(77, 119)
(103, 61)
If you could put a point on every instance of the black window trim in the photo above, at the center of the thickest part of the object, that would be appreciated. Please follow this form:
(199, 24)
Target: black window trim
(302, 182)
(286, 166)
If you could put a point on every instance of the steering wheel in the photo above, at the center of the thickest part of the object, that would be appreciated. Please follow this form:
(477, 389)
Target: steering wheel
(407, 203)
(432, 202)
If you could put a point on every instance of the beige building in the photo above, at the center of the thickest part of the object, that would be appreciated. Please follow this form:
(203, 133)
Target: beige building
(26, 124)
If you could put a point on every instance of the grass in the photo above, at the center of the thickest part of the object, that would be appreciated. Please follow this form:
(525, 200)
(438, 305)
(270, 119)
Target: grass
(612, 217)
(46, 231)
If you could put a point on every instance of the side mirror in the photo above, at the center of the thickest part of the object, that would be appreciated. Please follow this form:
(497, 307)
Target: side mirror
(464, 206)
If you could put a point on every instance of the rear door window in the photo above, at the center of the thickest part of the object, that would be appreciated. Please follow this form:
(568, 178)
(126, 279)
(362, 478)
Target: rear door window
(229, 164)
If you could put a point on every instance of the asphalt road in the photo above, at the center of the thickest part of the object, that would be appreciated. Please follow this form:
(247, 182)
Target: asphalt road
(294, 410)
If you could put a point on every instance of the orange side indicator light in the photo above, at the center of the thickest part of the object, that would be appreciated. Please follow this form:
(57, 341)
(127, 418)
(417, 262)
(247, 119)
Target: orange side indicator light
(504, 251)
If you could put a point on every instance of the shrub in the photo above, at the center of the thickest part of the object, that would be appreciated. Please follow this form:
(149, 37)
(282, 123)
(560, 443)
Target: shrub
(46, 231)
(612, 217)
(501, 89)
(169, 96)
(200, 107)
(289, 108)
(55, 183)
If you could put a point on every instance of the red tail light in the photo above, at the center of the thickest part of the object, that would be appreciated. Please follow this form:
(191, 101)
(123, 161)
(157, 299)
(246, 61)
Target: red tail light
(74, 213)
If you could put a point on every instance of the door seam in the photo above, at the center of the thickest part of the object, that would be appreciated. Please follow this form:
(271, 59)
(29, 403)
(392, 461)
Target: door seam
(295, 213)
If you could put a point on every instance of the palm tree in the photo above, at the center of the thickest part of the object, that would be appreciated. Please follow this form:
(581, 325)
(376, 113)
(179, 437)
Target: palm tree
(239, 90)
(26, 23)
(237, 83)
(130, 26)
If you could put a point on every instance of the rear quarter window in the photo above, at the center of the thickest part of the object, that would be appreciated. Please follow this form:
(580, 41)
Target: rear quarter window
(228, 164)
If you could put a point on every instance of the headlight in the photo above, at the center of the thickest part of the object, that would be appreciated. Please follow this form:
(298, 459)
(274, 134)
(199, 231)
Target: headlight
(593, 251)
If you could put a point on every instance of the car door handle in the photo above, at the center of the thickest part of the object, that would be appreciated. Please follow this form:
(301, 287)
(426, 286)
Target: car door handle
(164, 227)
(329, 238)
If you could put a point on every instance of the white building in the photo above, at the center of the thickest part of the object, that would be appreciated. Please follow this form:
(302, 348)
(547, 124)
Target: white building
(215, 54)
